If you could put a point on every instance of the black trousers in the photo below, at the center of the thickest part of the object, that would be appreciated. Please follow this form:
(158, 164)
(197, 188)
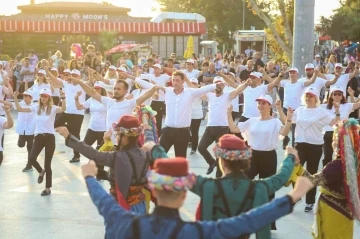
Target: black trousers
(311, 154)
(90, 138)
(264, 164)
(286, 139)
(41, 141)
(179, 137)
(27, 140)
(158, 106)
(73, 122)
(194, 128)
(211, 134)
(56, 100)
(328, 149)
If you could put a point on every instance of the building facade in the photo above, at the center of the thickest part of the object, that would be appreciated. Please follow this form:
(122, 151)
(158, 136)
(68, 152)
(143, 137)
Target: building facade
(57, 25)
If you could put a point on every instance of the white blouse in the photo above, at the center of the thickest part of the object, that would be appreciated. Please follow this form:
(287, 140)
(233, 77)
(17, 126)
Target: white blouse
(98, 114)
(44, 122)
(310, 123)
(26, 121)
(261, 135)
(345, 110)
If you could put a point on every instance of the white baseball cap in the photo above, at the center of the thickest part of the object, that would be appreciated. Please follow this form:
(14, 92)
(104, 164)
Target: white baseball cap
(309, 66)
(256, 74)
(336, 88)
(54, 69)
(45, 91)
(266, 98)
(75, 72)
(194, 80)
(294, 69)
(317, 55)
(312, 91)
(67, 71)
(112, 67)
(99, 84)
(121, 68)
(190, 61)
(144, 77)
(338, 65)
(41, 71)
(232, 74)
(157, 66)
(218, 79)
(28, 92)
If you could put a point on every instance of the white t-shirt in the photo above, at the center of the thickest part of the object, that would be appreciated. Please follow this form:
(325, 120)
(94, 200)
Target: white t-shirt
(343, 81)
(197, 110)
(35, 89)
(117, 109)
(235, 101)
(70, 91)
(218, 109)
(345, 110)
(161, 80)
(318, 84)
(292, 93)
(44, 123)
(26, 121)
(262, 135)
(98, 115)
(250, 96)
(310, 123)
(191, 74)
(2, 121)
(139, 92)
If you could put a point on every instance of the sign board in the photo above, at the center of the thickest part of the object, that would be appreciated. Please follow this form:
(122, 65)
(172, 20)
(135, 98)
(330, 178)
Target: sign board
(77, 16)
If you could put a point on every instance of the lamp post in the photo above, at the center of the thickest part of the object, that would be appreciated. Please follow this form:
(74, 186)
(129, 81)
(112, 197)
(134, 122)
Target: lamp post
(303, 48)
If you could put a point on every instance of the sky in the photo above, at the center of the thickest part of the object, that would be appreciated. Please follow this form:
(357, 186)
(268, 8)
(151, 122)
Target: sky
(322, 7)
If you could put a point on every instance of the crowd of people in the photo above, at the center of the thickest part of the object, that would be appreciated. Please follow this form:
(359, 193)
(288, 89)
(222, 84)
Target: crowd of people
(138, 112)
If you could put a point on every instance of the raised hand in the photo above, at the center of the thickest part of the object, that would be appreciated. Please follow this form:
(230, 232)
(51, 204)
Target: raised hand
(16, 93)
(290, 114)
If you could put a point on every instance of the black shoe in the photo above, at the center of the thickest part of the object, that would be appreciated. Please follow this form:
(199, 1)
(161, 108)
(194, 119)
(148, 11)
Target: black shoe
(75, 160)
(210, 169)
(28, 168)
(46, 192)
(309, 208)
(192, 152)
(41, 177)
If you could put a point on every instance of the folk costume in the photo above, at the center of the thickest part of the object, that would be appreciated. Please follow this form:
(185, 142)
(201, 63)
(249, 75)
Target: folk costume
(339, 202)
(234, 194)
(172, 175)
(128, 165)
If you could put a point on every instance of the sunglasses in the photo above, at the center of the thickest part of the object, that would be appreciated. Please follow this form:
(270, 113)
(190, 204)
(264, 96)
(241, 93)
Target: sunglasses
(44, 96)
(338, 67)
(337, 93)
(309, 95)
(253, 77)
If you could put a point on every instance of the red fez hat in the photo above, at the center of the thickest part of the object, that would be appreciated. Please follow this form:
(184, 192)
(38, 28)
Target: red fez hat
(128, 122)
(229, 141)
(173, 167)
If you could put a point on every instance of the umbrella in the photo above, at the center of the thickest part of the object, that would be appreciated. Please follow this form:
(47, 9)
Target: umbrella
(127, 47)
(189, 48)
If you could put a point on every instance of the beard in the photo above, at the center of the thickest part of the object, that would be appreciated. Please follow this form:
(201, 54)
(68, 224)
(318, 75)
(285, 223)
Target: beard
(309, 75)
(217, 90)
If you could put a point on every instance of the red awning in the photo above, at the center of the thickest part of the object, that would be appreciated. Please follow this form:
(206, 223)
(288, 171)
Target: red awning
(127, 47)
(96, 27)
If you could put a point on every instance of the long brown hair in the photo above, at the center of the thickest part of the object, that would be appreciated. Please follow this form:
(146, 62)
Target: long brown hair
(330, 103)
(49, 106)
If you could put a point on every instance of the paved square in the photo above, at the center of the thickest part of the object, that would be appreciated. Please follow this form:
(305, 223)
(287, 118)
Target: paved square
(69, 213)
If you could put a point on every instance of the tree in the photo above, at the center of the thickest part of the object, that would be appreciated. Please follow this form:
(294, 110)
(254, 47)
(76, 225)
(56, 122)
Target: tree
(222, 17)
(107, 39)
(278, 16)
(345, 23)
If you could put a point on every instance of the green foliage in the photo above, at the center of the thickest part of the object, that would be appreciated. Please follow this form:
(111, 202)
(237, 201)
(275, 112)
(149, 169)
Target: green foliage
(344, 23)
(5, 57)
(222, 16)
(107, 39)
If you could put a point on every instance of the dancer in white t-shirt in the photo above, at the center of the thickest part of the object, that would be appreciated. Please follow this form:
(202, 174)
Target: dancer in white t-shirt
(45, 112)
(310, 120)
(5, 123)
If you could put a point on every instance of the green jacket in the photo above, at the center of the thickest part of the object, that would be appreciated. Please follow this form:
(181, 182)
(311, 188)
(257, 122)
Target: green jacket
(241, 194)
